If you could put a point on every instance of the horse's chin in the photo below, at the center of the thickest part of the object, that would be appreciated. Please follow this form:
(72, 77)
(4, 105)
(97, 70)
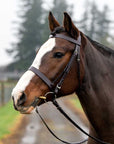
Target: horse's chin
(26, 110)
(30, 109)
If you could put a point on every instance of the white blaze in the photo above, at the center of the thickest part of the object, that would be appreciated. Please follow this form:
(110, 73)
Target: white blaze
(28, 75)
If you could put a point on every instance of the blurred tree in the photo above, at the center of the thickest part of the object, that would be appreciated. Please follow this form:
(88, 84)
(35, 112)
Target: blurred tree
(29, 34)
(96, 23)
(59, 6)
(33, 30)
(89, 19)
(103, 26)
(111, 42)
(84, 21)
(93, 20)
(46, 31)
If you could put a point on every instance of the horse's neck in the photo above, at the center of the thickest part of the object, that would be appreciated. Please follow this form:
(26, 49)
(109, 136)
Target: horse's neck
(97, 89)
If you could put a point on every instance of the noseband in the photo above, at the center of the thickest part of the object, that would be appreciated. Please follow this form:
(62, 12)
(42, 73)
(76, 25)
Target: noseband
(76, 54)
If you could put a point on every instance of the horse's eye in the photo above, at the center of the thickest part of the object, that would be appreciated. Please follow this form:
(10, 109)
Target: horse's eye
(58, 55)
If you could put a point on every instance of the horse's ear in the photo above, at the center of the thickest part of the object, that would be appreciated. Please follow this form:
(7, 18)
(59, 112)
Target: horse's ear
(69, 26)
(53, 23)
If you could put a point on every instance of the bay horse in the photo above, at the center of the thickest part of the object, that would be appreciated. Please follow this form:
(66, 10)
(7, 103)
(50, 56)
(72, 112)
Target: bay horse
(93, 84)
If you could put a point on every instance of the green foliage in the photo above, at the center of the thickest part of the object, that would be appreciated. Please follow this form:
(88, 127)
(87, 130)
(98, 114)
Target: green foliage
(7, 118)
(76, 103)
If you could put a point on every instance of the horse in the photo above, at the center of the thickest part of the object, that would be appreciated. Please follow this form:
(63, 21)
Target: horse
(90, 76)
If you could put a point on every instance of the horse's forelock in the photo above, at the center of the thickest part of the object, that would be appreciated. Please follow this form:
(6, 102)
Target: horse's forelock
(58, 30)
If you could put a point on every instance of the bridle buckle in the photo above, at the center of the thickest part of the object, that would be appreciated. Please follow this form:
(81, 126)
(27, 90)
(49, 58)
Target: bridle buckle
(58, 87)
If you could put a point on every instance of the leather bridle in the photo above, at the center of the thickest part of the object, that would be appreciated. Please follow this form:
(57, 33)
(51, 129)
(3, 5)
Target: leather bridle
(76, 54)
(55, 88)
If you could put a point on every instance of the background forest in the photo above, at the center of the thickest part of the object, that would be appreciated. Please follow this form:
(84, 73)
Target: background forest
(32, 27)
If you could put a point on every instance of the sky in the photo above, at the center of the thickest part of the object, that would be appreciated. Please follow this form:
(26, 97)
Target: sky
(8, 14)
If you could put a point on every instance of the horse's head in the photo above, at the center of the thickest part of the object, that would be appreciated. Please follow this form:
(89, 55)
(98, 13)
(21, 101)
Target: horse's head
(51, 60)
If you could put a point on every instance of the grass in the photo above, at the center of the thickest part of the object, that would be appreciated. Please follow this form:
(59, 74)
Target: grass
(76, 103)
(8, 118)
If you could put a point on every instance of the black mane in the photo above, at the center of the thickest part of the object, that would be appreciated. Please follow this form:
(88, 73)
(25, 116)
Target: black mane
(103, 49)
(58, 30)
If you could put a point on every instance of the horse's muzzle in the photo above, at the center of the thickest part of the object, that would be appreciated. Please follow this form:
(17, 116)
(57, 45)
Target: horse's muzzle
(25, 109)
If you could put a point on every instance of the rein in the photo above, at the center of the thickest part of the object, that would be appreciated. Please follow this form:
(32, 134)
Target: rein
(54, 133)
(56, 88)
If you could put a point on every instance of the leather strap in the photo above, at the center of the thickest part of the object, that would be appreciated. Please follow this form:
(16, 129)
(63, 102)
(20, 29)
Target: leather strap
(63, 141)
(42, 76)
(77, 42)
(67, 68)
(55, 103)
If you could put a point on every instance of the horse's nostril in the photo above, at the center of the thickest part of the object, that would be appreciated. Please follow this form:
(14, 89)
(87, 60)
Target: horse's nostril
(14, 103)
(22, 99)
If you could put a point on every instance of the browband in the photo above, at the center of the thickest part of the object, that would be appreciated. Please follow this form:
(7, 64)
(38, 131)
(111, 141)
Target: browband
(77, 42)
